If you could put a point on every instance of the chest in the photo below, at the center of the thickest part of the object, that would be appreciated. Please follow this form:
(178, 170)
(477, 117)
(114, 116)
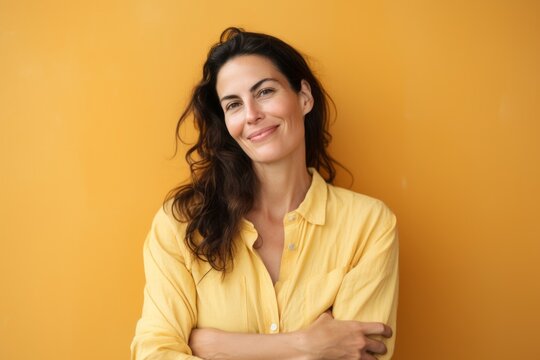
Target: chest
(256, 298)
(269, 247)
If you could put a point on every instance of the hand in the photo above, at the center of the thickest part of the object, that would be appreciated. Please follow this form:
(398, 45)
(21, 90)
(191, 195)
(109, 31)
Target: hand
(202, 341)
(330, 339)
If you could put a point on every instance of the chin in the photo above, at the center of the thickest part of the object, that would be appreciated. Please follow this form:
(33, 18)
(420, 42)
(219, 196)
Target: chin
(278, 153)
(265, 159)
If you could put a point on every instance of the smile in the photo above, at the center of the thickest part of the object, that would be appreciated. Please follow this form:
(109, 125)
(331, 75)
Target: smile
(263, 133)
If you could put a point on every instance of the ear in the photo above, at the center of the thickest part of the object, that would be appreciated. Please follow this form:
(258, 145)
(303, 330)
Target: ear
(306, 99)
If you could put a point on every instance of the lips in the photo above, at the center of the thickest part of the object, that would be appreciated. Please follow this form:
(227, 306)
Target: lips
(262, 133)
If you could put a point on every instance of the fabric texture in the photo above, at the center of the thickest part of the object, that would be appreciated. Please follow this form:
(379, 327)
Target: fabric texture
(340, 252)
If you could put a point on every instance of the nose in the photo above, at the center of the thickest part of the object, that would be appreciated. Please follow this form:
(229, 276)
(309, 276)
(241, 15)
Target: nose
(253, 112)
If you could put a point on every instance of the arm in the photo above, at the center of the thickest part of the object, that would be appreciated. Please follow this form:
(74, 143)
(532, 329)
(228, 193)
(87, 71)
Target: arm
(369, 291)
(326, 338)
(169, 309)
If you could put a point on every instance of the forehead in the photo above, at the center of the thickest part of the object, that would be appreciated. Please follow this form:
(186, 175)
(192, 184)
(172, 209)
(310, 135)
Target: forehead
(241, 72)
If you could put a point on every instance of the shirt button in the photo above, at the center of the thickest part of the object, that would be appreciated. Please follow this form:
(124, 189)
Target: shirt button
(273, 327)
(291, 247)
(292, 217)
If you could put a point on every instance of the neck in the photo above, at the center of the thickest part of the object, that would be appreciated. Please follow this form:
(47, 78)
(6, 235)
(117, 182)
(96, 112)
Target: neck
(282, 188)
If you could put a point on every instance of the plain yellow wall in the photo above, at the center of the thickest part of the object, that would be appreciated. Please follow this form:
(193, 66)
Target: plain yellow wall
(439, 116)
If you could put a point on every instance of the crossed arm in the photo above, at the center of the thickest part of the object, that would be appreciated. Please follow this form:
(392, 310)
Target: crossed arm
(326, 338)
(367, 296)
(368, 292)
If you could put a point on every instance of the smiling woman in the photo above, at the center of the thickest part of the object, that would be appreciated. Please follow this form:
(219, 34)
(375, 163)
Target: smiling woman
(263, 113)
(260, 256)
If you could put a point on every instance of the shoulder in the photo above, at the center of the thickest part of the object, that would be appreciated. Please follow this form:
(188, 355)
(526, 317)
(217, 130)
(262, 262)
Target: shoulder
(165, 219)
(355, 206)
(368, 224)
(167, 231)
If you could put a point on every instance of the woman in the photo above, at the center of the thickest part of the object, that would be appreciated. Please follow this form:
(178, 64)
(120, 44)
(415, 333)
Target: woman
(259, 256)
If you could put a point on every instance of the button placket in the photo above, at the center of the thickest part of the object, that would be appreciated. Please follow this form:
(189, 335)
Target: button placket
(291, 234)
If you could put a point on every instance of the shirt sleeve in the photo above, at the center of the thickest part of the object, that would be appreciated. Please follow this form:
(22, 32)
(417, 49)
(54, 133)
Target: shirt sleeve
(369, 291)
(169, 310)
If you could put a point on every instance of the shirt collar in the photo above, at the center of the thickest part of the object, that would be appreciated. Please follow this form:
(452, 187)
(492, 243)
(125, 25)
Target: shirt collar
(313, 208)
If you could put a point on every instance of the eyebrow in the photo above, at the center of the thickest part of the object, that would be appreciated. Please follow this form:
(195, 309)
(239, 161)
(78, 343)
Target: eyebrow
(252, 89)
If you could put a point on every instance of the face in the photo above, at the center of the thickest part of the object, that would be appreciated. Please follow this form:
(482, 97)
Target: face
(263, 113)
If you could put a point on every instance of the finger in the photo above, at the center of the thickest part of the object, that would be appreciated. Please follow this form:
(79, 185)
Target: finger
(364, 355)
(376, 329)
(375, 347)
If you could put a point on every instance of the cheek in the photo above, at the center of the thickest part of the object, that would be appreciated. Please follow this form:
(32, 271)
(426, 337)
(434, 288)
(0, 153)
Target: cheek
(288, 108)
(234, 127)
(294, 113)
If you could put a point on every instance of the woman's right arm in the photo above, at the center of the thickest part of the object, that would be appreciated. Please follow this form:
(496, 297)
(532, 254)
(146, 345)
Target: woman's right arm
(326, 338)
(169, 310)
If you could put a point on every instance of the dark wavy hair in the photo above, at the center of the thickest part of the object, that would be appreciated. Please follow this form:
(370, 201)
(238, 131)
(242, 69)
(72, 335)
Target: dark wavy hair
(223, 183)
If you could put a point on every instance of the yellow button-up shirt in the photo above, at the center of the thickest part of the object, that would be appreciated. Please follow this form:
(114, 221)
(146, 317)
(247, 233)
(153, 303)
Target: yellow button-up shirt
(340, 252)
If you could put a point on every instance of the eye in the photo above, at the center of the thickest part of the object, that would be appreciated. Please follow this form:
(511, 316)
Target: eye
(232, 105)
(265, 92)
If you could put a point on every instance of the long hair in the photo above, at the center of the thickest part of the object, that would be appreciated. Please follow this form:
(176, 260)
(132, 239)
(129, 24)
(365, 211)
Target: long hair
(223, 182)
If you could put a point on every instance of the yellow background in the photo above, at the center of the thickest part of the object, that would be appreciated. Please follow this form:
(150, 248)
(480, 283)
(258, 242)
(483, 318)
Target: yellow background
(438, 115)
